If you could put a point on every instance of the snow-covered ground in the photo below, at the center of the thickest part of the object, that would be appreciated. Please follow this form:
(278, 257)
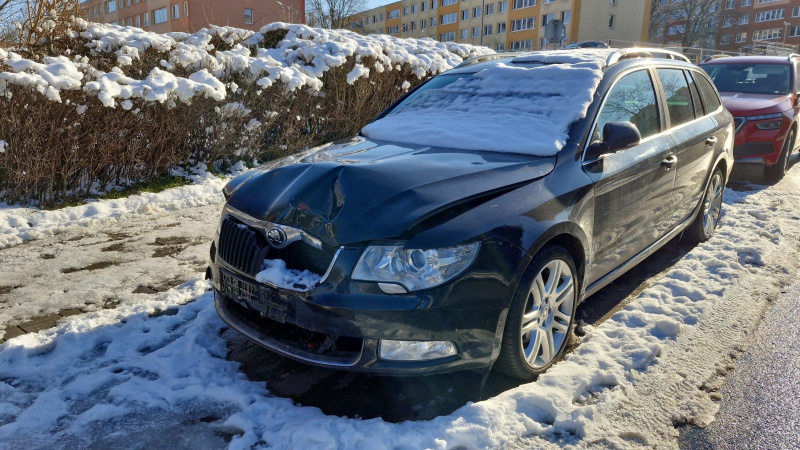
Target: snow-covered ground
(154, 368)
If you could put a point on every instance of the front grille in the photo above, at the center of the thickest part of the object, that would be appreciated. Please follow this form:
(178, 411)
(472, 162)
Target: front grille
(752, 149)
(738, 121)
(245, 248)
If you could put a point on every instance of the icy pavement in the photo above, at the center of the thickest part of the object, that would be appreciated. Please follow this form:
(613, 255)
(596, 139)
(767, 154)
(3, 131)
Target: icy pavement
(153, 370)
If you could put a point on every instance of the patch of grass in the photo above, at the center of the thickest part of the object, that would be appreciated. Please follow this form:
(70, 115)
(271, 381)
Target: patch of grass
(159, 184)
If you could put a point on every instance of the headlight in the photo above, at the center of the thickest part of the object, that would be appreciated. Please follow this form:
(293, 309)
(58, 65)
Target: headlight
(771, 125)
(413, 269)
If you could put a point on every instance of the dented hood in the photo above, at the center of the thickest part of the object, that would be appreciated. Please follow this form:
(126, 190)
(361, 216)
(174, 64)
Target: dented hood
(360, 190)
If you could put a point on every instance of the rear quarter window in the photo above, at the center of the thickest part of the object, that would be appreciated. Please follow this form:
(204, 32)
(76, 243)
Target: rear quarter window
(679, 98)
(707, 92)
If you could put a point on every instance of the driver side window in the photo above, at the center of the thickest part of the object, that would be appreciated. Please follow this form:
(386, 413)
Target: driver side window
(633, 100)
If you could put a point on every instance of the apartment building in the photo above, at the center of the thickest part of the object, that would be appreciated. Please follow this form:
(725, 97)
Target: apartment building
(604, 20)
(162, 16)
(747, 25)
(500, 25)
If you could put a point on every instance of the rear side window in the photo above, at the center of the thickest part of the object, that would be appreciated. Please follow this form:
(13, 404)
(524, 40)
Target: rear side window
(633, 100)
(698, 105)
(707, 91)
(679, 99)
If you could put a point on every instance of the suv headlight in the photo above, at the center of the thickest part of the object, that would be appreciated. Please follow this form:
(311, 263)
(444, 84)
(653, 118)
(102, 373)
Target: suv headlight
(413, 269)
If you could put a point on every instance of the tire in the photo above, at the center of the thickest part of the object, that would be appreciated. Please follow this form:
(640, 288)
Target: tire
(541, 315)
(707, 219)
(775, 173)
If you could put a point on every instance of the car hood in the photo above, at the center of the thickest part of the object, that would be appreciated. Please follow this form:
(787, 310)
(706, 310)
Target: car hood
(361, 190)
(743, 105)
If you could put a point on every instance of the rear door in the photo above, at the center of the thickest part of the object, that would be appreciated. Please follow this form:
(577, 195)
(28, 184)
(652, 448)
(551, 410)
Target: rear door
(695, 137)
(633, 187)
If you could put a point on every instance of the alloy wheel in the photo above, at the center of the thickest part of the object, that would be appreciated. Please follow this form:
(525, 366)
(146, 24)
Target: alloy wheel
(548, 313)
(713, 204)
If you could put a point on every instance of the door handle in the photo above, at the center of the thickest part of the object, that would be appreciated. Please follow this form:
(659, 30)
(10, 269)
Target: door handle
(669, 161)
(711, 141)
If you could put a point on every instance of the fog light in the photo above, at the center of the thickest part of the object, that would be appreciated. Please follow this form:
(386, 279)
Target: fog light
(415, 350)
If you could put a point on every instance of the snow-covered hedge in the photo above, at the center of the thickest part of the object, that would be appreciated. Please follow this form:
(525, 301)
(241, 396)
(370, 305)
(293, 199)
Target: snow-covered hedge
(118, 104)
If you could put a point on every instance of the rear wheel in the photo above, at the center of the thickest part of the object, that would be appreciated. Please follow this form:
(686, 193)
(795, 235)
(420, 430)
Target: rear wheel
(541, 315)
(706, 222)
(776, 172)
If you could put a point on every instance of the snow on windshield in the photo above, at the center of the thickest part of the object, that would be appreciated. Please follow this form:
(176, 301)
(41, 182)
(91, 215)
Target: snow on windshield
(524, 106)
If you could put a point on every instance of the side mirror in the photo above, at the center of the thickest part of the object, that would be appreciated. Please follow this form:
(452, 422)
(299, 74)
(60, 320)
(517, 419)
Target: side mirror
(616, 136)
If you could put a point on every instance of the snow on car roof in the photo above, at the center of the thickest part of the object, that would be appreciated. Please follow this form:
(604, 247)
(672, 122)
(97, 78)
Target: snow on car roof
(522, 105)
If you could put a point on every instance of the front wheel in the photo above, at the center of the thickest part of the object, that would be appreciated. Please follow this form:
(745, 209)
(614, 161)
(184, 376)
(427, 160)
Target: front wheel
(707, 219)
(540, 316)
(776, 172)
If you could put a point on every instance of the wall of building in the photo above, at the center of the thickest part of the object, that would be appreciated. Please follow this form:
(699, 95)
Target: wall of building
(192, 15)
(754, 24)
(631, 20)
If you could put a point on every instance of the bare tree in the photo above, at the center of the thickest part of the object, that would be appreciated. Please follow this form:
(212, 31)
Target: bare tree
(693, 22)
(332, 13)
(33, 25)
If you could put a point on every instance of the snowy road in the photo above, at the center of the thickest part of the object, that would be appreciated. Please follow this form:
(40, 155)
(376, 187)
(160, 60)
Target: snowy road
(160, 368)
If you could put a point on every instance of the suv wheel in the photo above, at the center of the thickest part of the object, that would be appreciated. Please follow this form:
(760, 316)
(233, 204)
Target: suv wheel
(704, 225)
(540, 317)
(776, 172)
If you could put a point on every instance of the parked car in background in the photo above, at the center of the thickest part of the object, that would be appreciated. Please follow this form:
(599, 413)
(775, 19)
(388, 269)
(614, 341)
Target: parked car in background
(464, 225)
(762, 93)
(586, 44)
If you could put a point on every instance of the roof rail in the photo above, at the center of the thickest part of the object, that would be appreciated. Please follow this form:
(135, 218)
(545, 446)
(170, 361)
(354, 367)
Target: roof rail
(643, 52)
(793, 55)
(712, 57)
(485, 58)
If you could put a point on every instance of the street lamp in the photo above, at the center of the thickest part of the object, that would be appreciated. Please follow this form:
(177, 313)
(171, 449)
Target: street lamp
(289, 7)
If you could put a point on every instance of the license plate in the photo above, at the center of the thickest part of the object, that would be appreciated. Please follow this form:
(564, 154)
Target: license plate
(259, 297)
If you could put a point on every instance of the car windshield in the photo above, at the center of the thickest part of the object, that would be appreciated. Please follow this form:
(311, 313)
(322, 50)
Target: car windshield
(750, 78)
(516, 107)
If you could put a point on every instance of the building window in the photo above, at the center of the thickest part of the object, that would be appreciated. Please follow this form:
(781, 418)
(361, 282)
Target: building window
(405, 10)
(433, 4)
(522, 45)
(676, 29)
(501, 47)
(741, 37)
(394, 29)
(476, 32)
(502, 6)
(394, 14)
(796, 11)
(160, 15)
(464, 14)
(176, 11)
(130, 21)
(464, 33)
(248, 15)
(794, 31)
(490, 9)
(448, 18)
(185, 9)
(548, 1)
(146, 19)
(714, 7)
(423, 24)
(487, 30)
(519, 4)
(111, 6)
(433, 21)
(766, 1)
(128, 3)
(501, 28)
(765, 16)
(744, 19)
(476, 12)
(729, 4)
(763, 35)
(381, 17)
(138, 21)
(445, 3)
(566, 16)
(523, 24)
(613, 2)
(547, 18)
(413, 25)
(423, 6)
(727, 21)
(405, 28)
(611, 21)
(414, 8)
(747, 2)
(448, 37)
(725, 39)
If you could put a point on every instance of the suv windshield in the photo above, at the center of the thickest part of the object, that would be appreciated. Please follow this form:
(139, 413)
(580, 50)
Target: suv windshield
(750, 78)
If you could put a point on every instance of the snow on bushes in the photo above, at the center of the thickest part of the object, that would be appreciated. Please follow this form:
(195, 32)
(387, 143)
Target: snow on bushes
(119, 104)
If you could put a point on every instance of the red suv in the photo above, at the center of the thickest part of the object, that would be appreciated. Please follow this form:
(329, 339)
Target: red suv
(762, 94)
